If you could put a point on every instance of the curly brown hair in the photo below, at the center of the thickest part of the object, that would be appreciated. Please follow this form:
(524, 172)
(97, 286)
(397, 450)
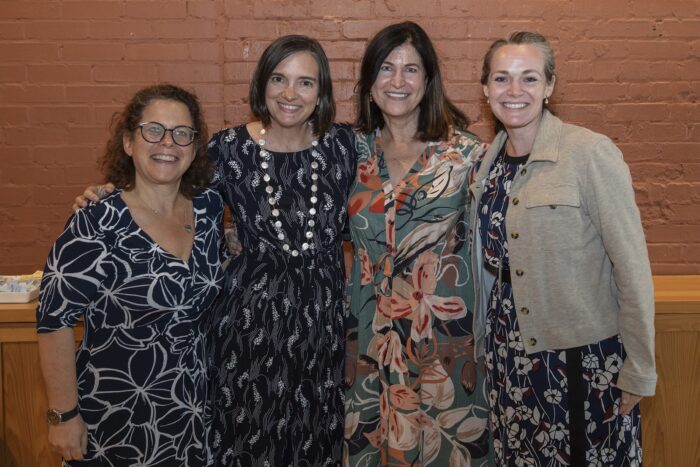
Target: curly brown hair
(116, 164)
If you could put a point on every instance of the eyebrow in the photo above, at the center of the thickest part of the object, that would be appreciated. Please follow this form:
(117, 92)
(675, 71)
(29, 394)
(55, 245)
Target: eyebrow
(311, 78)
(405, 64)
(524, 72)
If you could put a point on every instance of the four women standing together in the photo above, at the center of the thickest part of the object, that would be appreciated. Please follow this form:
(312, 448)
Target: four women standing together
(418, 395)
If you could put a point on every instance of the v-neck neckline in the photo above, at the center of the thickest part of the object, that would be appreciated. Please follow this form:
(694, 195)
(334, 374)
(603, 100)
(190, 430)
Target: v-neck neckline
(186, 262)
(416, 167)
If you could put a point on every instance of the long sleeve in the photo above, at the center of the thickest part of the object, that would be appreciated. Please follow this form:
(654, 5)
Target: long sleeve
(612, 208)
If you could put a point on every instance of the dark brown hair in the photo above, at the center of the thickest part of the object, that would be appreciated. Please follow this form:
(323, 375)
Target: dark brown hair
(437, 113)
(116, 164)
(281, 48)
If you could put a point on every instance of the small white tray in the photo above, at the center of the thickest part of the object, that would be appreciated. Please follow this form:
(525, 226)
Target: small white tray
(19, 297)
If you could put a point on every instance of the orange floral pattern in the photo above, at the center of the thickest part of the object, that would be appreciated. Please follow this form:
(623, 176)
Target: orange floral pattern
(417, 395)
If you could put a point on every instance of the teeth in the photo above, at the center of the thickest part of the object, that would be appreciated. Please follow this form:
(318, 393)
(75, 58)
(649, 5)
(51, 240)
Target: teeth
(164, 157)
(397, 94)
(514, 106)
(289, 107)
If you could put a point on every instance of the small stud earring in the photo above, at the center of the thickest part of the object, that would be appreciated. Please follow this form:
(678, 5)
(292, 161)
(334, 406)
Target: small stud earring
(370, 98)
(488, 101)
(546, 100)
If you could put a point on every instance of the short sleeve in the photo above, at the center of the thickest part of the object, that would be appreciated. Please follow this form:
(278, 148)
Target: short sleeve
(214, 156)
(73, 273)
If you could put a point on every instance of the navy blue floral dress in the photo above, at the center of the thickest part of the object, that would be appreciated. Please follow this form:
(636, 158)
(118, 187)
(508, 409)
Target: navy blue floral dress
(278, 329)
(550, 408)
(141, 364)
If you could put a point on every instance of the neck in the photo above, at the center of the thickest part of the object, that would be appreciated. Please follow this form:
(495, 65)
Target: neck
(400, 131)
(160, 198)
(521, 140)
(287, 139)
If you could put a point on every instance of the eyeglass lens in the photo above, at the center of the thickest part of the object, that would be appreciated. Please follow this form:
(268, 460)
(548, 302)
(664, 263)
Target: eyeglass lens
(154, 132)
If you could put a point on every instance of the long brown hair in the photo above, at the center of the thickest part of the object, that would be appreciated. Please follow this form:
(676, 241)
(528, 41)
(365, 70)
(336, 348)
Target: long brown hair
(437, 113)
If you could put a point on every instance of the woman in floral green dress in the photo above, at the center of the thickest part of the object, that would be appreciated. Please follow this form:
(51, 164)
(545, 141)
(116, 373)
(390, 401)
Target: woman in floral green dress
(416, 393)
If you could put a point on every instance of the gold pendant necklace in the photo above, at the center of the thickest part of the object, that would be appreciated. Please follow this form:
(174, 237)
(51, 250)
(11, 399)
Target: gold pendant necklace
(186, 224)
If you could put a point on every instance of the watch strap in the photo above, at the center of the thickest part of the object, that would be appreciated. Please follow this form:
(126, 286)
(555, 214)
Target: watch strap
(65, 416)
(55, 416)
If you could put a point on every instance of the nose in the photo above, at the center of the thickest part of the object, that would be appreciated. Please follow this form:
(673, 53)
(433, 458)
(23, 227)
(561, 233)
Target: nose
(514, 88)
(397, 79)
(289, 92)
(167, 138)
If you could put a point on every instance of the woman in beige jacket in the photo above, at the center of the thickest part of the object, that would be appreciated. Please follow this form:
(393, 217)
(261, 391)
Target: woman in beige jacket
(564, 312)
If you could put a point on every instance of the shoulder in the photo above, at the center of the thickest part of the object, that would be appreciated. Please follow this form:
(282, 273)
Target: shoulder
(574, 134)
(364, 144)
(229, 134)
(589, 145)
(340, 141)
(465, 136)
(107, 211)
(210, 198)
(97, 219)
(341, 132)
(226, 144)
(466, 143)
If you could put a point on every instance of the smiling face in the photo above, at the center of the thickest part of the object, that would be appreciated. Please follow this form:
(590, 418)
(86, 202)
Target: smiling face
(400, 84)
(517, 87)
(291, 93)
(161, 163)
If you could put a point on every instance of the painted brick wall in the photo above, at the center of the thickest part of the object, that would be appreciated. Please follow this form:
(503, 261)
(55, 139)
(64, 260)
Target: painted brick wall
(630, 69)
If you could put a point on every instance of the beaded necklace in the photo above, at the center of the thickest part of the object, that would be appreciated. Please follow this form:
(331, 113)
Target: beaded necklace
(269, 189)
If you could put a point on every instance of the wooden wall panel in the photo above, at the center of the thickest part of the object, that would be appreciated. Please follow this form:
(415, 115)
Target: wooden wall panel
(25, 408)
(3, 444)
(671, 419)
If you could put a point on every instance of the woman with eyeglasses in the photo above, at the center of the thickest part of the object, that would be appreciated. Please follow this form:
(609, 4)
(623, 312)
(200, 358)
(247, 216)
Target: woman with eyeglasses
(139, 268)
(277, 330)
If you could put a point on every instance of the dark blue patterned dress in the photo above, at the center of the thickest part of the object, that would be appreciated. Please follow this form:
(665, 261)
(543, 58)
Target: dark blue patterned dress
(543, 408)
(141, 364)
(278, 329)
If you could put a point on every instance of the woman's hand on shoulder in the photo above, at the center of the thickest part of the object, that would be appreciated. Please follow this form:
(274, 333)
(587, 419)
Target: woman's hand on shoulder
(69, 439)
(92, 193)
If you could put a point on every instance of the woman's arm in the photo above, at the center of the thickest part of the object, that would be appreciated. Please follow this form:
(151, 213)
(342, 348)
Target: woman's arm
(611, 205)
(57, 354)
(72, 276)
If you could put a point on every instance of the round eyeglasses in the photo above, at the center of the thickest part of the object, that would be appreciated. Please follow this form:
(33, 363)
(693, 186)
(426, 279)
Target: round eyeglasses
(154, 132)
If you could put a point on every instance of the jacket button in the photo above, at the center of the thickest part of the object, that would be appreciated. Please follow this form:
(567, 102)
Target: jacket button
(516, 201)
(515, 235)
(532, 341)
(524, 310)
(519, 272)
(523, 172)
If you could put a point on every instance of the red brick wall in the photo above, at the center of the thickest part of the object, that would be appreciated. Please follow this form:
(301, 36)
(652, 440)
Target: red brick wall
(627, 69)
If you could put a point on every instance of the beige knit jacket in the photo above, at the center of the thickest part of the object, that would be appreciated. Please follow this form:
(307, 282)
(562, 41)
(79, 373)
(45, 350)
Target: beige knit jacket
(578, 259)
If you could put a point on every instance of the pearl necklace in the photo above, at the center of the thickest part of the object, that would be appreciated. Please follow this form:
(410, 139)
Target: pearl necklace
(269, 189)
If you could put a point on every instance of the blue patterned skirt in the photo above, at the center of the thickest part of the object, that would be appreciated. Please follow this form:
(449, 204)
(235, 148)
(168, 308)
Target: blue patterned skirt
(556, 407)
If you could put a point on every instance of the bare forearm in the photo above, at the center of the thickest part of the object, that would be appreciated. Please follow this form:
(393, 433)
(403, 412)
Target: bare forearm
(57, 354)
